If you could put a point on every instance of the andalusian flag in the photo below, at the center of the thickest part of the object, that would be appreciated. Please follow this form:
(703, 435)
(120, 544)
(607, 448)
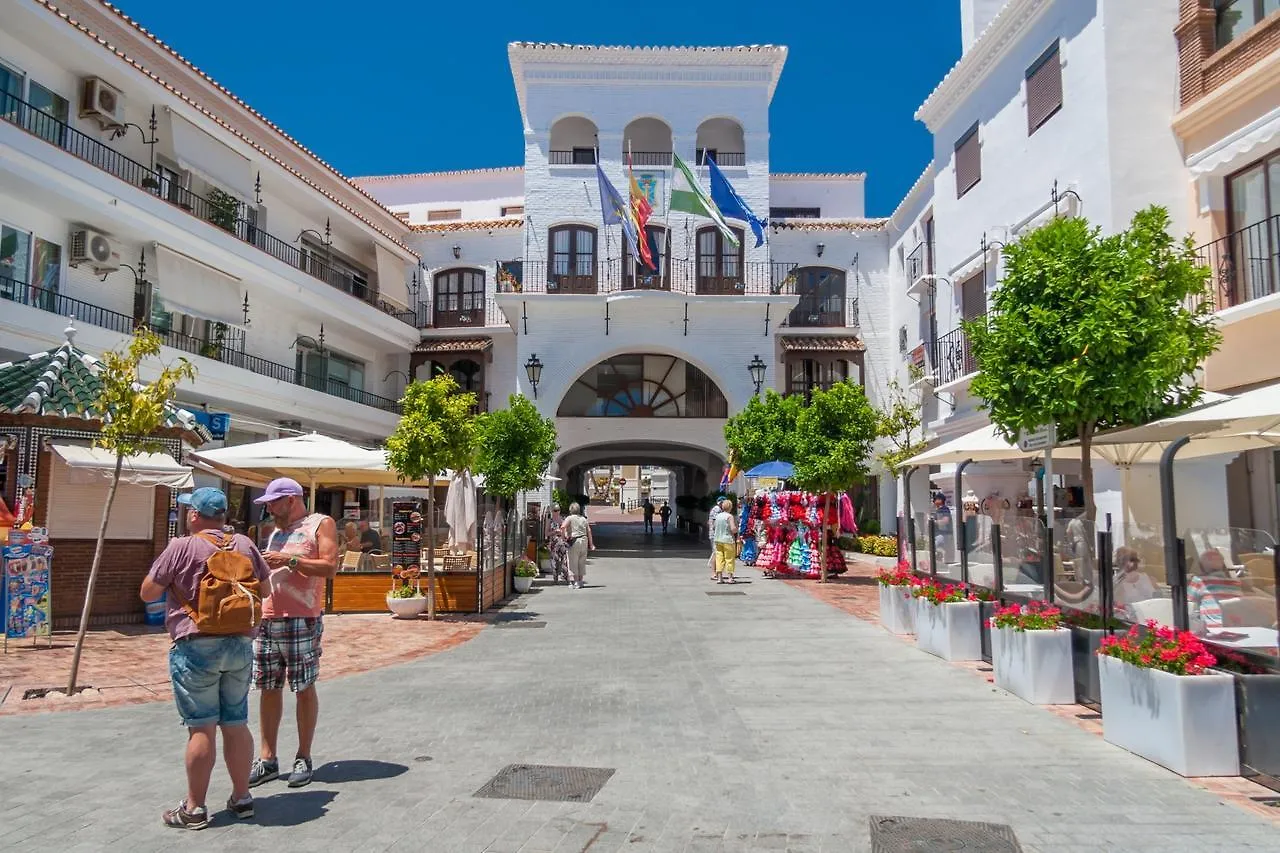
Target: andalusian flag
(687, 196)
(641, 209)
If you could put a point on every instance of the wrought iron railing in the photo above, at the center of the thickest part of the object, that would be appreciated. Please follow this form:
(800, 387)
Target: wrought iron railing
(226, 346)
(704, 277)
(648, 158)
(1245, 264)
(576, 157)
(919, 262)
(818, 311)
(728, 158)
(953, 356)
(451, 312)
(230, 215)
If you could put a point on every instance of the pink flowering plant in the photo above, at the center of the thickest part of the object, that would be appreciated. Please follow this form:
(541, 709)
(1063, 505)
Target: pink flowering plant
(1160, 647)
(949, 593)
(900, 576)
(1036, 616)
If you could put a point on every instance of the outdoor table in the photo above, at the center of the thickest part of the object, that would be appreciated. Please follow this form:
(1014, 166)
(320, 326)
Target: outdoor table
(1033, 590)
(1254, 638)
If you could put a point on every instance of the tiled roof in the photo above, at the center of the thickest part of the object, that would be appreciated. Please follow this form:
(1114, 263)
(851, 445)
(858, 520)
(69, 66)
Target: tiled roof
(816, 343)
(618, 48)
(104, 42)
(64, 383)
(801, 224)
(455, 345)
(471, 224)
(818, 176)
(494, 170)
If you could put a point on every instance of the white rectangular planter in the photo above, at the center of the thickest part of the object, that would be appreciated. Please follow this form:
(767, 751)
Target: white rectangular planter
(897, 609)
(1034, 665)
(1186, 723)
(950, 631)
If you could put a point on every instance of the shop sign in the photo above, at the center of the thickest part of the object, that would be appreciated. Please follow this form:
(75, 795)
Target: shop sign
(216, 422)
(26, 595)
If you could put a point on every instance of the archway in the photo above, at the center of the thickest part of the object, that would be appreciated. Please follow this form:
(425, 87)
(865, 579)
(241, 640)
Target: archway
(643, 385)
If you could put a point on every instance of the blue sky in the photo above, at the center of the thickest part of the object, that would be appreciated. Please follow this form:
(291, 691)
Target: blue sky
(425, 85)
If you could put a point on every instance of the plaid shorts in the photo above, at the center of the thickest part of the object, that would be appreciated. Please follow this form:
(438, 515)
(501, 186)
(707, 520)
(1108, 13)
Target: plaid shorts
(289, 645)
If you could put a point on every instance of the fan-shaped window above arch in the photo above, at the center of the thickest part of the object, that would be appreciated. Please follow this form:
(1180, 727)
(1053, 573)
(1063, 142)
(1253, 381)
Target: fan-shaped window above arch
(639, 385)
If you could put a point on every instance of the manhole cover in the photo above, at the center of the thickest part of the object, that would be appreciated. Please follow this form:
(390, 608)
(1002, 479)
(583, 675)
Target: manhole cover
(928, 835)
(725, 592)
(502, 624)
(546, 782)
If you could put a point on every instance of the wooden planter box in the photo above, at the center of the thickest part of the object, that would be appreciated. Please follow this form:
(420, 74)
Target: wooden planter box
(949, 631)
(1186, 723)
(1034, 665)
(897, 609)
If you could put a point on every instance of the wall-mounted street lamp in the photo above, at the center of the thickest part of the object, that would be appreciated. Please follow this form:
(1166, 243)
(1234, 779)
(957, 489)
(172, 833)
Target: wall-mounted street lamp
(533, 369)
(149, 181)
(822, 247)
(326, 239)
(756, 369)
(457, 251)
(316, 344)
(1056, 196)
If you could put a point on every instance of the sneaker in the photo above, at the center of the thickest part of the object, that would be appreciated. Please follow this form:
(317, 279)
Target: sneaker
(179, 818)
(301, 774)
(243, 810)
(263, 770)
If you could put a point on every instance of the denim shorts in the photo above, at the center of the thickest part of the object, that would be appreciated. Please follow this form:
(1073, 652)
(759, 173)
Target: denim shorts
(211, 679)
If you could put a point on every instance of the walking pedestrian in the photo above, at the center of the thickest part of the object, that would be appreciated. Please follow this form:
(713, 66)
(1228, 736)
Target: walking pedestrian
(665, 513)
(724, 534)
(577, 532)
(711, 537)
(558, 545)
(305, 547)
(211, 659)
(648, 515)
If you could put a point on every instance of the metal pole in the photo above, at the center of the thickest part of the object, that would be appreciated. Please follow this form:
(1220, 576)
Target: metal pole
(1040, 493)
(997, 557)
(933, 550)
(962, 540)
(1175, 568)
(1047, 565)
(1048, 480)
(1106, 578)
(906, 517)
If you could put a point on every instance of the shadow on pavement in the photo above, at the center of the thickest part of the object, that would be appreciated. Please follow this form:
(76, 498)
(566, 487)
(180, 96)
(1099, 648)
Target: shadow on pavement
(293, 808)
(357, 770)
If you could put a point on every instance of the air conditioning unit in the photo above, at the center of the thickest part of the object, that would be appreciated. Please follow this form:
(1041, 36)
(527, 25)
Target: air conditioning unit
(97, 250)
(103, 102)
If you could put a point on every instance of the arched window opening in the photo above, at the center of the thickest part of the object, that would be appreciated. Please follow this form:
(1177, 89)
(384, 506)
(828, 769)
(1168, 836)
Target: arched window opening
(459, 298)
(648, 141)
(721, 140)
(639, 385)
(573, 142)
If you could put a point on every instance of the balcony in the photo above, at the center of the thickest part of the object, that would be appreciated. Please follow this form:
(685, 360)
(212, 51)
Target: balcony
(223, 211)
(1245, 265)
(575, 157)
(953, 358)
(687, 277)
(648, 158)
(450, 313)
(226, 346)
(918, 267)
(823, 312)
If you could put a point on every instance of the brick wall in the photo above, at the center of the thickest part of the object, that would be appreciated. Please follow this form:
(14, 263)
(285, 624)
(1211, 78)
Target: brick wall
(1202, 68)
(124, 564)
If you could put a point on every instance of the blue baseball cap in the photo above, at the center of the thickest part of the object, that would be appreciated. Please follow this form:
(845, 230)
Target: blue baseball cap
(208, 501)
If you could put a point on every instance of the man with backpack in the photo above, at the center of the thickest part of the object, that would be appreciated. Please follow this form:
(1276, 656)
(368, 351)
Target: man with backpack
(213, 584)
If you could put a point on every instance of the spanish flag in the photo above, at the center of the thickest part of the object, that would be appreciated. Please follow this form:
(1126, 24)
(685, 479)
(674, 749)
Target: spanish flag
(641, 210)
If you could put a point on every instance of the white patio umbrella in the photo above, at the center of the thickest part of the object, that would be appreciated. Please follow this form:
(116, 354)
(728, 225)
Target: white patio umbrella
(984, 444)
(460, 510)
(1243, 422)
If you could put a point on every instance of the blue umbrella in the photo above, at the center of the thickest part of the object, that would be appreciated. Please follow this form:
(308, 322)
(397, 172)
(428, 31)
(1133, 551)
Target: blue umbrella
(781, 470)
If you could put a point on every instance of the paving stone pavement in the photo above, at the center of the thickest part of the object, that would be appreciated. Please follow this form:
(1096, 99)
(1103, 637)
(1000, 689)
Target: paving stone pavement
(766, 721)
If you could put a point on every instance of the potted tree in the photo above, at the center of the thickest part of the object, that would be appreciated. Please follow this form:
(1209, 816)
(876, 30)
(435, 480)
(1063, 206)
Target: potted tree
(1159, 702)
(405, 600)
(526, 571)
(897, 607)
(1031, 653)
(947, 622)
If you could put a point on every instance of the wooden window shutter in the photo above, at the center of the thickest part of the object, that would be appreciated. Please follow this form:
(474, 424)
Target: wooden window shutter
(973, 296)
(1044, 89)
(968, 161)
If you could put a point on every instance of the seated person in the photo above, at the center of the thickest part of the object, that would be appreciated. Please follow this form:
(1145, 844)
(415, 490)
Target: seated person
(1208, 587)
(1131, 583)
(370, 540)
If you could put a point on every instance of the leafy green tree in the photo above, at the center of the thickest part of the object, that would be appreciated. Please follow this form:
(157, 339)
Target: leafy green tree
(1092, 332)
(764, 431)
(899, 422)
(133, 411)
(436, 431)
(516, 444)
(834, 438)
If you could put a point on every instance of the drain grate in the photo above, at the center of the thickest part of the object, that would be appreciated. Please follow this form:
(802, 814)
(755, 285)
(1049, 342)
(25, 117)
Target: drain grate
(929, 835)
(533, 624)
(546, 782)
(725, 592)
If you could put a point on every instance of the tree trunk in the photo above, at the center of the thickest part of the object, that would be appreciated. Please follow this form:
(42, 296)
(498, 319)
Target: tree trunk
(822, 537)
(431, 547)
(93, 577)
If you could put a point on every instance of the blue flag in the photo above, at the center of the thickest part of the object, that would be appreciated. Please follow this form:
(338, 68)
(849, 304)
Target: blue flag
(731, 204)
(615, 211)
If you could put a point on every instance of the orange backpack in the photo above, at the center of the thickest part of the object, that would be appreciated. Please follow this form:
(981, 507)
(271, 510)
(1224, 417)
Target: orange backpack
(229, 595)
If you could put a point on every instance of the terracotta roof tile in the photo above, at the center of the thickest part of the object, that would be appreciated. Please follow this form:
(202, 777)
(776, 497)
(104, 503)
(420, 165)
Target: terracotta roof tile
(801, 224)
(455, 345)
(452, 173)
(618, 48)
(818, 176)
(816, 343)
(470, 225)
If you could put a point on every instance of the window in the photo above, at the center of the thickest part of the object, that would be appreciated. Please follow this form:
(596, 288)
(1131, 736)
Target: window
(46, 104)
(459, 298)
(719, 262)
(646, 385)
(795, 212)
(1252, 249)
(1237, 17)
(402, 215)
(806, 375)
(11, 86)
(513, 210)
(330, 372)
(968, 161)
(572, 265)
(639, 275)
(702, 155)
(30, 268)
(822, 292)
(584, 156)
(973, 296)
(1044, 88)
(75, 506)
(443, 215)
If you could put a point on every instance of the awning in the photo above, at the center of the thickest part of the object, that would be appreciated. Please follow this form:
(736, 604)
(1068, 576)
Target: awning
(89, 464)
(217, 163)
(1227, 154)
(196, 289)
(455, 345)
(829, 343)
(392, 284)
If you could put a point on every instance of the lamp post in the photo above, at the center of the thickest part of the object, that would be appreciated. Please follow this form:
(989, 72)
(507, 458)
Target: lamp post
(533, 369)
(822, 247)
(756, 369)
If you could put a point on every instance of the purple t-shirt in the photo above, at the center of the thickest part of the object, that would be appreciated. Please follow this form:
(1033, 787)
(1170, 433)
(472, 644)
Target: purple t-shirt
(181, 567)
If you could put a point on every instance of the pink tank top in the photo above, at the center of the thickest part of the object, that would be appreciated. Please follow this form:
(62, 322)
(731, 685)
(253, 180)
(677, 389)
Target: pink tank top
(294, 594)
